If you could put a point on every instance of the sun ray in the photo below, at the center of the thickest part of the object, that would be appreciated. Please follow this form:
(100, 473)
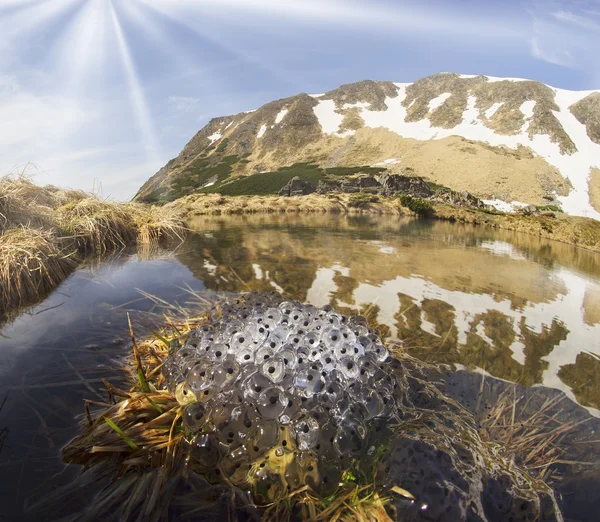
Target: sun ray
(81, 46)
(136, 93)
(17, 24)
(174, 12)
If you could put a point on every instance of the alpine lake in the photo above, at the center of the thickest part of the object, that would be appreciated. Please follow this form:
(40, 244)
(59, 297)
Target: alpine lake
(505, 305)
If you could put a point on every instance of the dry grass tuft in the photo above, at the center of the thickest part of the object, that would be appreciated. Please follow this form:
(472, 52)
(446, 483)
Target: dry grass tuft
(32, 262)
(533, 440)
(97, 226)
(39, 224)
(157, 225)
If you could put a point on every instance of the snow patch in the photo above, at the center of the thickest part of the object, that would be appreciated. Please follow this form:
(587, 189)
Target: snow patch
(501, 248)
(493, 110)
(210, 268)
(503, 206)
(214, 137)
(329, 120)
(576, 166)
(280, 115)
(389, 161)
(360, 105)
(276, 287)
(438, 101)
(261, 131)
(317, 95)
(257, 271)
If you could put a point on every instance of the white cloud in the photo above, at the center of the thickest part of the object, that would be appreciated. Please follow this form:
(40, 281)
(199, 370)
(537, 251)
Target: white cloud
(565, 33)
(184, 103)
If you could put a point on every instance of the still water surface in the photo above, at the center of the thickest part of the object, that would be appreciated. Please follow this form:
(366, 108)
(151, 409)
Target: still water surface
(523, 309)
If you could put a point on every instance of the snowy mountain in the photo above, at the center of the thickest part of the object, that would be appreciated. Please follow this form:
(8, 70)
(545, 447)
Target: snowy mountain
(508, 141)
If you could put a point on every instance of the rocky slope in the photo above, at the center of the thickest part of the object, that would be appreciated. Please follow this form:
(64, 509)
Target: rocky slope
(507, 141)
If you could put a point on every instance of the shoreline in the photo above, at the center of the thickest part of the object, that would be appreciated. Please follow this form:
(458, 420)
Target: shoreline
(577, 231)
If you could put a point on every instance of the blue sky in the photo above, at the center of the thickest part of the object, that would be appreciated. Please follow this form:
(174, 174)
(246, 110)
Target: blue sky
(104, 92)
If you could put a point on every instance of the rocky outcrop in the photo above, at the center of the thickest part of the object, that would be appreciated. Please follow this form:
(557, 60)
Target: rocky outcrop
(416, 187)
(459, 199)
(297, 187)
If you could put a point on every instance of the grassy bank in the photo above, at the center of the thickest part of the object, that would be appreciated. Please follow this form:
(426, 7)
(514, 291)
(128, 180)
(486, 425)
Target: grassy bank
(582, 232)
(45, 232)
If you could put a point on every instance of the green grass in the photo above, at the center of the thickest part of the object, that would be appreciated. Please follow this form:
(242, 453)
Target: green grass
(267, 183)
(200, 172)
(552, 208)
(417, 205)
(222, 146)
(349, 171)
(362, 200)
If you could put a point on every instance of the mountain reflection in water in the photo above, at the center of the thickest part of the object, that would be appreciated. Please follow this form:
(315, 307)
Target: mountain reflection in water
(519, 307)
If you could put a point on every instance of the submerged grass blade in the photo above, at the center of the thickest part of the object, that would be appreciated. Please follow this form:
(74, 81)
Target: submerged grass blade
(160, 337)
(122, 434)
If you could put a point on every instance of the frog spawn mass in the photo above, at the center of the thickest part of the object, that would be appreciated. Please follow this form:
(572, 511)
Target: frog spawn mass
(280, 394)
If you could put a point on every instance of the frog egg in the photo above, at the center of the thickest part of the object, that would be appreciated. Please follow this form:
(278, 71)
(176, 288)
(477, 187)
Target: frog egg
(184, 394)
(258, 331)
(367, 365)
(216, 352)
(206, 394)
(286, 307)
(204, 451)
(263, 437)
(292, 409)
(273, 343)
(281, 332)
(314, 352)
(381, 353)
(365, 341)
(255, 385)
(199, 377)
(350, 438)
(317, 325)
(225, 374)
(272, 403)
(235, 464)
(332, 338)
(263, 354)
(297, 317)
(328, 362)
(332, 392)
(307, 433)
(274, 314)
(194, 417)
(373, 403)
(244, 356)
(349, 367)
(303, 361)
(290, 360)
(333, 319)
(344, 350)
(347, 334)
(309, 382)
(274, 369)
(241, 340)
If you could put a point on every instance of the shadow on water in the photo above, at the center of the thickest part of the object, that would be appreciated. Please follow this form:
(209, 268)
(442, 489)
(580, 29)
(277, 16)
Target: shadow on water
(521, 308)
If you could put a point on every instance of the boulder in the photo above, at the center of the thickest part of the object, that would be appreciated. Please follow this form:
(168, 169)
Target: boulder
(459, 199)
(392, 184)
(297, 187)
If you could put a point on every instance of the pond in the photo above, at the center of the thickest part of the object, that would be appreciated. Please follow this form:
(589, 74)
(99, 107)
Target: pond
(517, 307)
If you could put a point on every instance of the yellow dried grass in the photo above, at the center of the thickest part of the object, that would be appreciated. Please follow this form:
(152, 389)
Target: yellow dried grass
(32, 262)
(41, 228)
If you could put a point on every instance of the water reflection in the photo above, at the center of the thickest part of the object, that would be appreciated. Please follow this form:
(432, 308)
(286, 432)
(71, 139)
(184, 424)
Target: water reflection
(521, 308)
(516, 306)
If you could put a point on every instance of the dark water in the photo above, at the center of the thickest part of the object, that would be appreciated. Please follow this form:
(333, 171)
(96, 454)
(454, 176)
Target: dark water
(520, 308)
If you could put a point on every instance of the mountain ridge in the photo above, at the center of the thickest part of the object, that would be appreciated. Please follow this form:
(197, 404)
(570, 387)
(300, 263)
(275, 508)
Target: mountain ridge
(508, 141)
